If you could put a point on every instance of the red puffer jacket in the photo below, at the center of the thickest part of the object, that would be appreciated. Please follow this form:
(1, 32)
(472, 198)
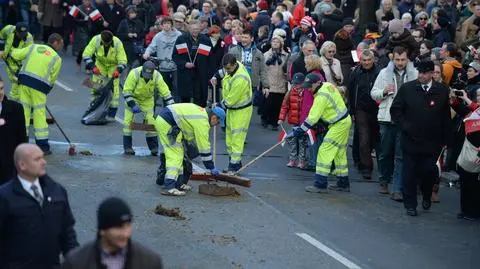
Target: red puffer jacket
(291, 105)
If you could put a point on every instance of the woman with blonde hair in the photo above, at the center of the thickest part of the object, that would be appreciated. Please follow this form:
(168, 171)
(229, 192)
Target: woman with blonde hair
(330, 65)
(314, 65)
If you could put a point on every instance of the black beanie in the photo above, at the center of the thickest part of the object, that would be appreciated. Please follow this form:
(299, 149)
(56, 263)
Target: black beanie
(113, 212)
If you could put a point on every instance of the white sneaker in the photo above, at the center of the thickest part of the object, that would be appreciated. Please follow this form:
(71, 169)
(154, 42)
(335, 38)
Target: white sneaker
(174, 192)
(185, 187)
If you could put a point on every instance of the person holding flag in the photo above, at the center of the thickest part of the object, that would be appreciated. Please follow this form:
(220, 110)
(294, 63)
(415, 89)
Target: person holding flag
(83, 25)
(330, 109)
(110, 61)
(14, 37)
(193, 64)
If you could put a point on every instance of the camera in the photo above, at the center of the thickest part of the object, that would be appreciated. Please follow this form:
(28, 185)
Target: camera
(458, 93)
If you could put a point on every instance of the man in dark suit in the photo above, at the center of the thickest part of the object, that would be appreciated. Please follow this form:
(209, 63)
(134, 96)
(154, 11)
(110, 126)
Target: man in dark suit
(36, 223)
(12, 133)
(421, 109)
(112, 14)
(113, 247)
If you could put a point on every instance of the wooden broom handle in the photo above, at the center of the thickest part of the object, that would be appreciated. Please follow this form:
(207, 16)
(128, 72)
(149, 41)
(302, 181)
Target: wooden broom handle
(258, 157)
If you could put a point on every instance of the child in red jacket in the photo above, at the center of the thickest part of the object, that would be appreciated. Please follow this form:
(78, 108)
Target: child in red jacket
(292, 106)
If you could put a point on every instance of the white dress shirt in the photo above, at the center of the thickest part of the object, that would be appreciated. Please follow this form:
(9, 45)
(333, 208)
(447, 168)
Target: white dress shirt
(429, 86)
(27, 185)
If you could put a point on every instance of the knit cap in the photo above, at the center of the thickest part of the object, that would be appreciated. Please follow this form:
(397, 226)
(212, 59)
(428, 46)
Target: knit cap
(113, 212)
(396, 26)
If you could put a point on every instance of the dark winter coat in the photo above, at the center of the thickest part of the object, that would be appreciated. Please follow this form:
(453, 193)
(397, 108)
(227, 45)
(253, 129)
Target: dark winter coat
(201, 73)
(299, 36)
(262, 19)
(405, 40)
(113, 16)
(359, 85)
(298, 65)
(441, 36)
(423, 117)
(32, 236)
(216, 55)
(292, 106)
(344, 45)
(52, 13)
(133, 45)
(329, 25)
(284, 26)
(12, 134)
(146, 13)
(88, 256)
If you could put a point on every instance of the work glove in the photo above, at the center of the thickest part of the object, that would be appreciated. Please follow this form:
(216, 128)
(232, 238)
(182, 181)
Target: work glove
(214, 172)
(136, 109)
(95, 70)
(116, 74)
(298, 132)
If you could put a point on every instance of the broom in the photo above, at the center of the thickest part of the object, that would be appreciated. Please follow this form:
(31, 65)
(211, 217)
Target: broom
(71, 147)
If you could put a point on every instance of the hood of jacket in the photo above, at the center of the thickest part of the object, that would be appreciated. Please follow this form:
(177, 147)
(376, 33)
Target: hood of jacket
(411, 71)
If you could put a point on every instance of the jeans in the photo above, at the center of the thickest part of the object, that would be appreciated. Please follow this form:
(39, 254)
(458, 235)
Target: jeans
(25, 16)
(390, 157)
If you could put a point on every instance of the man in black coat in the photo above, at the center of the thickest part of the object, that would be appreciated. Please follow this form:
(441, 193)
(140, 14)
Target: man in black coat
(298, 65)
(421, 109)
(36, 223)
(365, 110)
(112, 14)
(191, 55)
(12, 133)
(113, 247)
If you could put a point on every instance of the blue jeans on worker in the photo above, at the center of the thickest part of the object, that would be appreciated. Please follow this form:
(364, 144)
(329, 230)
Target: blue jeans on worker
(390, 157)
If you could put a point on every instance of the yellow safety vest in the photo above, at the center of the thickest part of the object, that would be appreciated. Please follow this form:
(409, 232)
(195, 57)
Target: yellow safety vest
(195, 125)
(41, 66)
(7, 35)
(328, 106)
(136, 88)
(115, 55)
(237, 89)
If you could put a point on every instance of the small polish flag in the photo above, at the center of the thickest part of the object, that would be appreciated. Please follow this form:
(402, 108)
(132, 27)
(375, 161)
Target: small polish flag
(311, 136)
(204, 49)
(74, 11)
(95, 15)
(181, 48)
(282, 137)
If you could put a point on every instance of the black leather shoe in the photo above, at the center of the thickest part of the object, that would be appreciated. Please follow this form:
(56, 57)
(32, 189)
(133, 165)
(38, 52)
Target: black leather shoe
(412, 212)
(426, 205)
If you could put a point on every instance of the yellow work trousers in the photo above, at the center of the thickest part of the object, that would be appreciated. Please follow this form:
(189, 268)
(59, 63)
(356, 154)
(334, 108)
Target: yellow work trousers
(32, 99)
(116, 89)
(173, 152)
(334, 148)
(147, 112)
(237, 122)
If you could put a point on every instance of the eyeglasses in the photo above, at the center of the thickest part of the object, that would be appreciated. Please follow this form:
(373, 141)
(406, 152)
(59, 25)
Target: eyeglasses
(331, 51)
(422, 19)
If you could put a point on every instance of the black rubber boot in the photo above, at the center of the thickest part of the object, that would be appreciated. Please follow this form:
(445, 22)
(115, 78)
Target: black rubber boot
(161, 171)
(127, 145)
(152, 143)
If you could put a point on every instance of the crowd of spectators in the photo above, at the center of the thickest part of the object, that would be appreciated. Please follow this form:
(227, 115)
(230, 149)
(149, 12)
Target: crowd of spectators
(280, 42)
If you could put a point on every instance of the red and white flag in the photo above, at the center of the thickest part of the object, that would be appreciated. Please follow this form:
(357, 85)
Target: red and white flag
(282, 137)
(95, 15)
(74, 11)
(204, 49)
(182, 48)
(311, 136)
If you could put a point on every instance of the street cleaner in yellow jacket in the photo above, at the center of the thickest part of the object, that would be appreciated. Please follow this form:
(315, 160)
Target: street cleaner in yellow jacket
(14, 37)
(110, 61)
(40, 68)
(237, 101)
(138, 92)
(185, 121)
(329, 108)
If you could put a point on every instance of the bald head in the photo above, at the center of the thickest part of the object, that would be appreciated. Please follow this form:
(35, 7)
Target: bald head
(29, 161)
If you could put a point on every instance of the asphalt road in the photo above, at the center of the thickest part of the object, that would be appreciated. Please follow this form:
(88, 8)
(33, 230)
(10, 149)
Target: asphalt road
(274, 224)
